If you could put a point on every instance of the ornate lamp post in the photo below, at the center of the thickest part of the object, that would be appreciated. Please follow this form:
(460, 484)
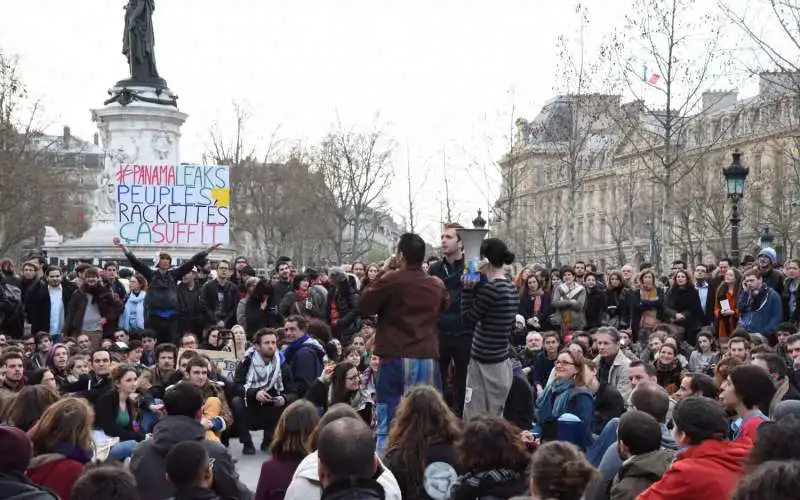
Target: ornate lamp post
(767, 239)
(735, 175)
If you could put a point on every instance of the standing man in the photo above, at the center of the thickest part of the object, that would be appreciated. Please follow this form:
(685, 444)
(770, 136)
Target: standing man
(407, 303)
(455, 340)
(162, 298)
(219, 298)
(47, 303)
(116, 286)
(706, 292)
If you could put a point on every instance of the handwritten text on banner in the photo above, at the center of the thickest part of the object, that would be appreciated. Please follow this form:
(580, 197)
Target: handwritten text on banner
(178, 205)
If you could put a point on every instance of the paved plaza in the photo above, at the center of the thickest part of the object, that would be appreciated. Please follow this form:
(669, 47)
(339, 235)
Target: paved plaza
(248, 466)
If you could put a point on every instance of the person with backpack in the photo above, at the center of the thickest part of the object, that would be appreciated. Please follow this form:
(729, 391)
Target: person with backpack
(12, 318)
(162, 298)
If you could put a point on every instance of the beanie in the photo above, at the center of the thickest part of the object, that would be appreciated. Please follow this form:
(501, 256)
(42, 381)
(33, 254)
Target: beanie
(16, 450)
(770, 254)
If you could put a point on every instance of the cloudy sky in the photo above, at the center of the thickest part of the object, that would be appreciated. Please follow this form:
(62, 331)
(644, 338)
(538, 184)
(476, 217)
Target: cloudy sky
(442, 75)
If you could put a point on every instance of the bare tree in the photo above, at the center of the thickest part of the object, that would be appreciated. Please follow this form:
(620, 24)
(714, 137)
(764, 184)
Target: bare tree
(683, 49)
(356, 170)
(413, 191)
(31, 195)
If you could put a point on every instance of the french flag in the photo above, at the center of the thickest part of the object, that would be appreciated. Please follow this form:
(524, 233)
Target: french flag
(650, 78)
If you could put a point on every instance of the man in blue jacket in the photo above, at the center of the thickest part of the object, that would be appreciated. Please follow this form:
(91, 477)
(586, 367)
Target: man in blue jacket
(760, 307)
(455, 340)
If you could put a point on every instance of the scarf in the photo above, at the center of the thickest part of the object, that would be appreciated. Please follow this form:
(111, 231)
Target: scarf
(262, 375)
(73, 452)
(358, 398)
(560, 389)
(295, 346)
(134, 304)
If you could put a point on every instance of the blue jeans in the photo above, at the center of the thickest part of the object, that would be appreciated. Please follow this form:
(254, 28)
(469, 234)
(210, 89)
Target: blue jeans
(606, 438)
(121, 450)
(148, 419)
(397, 376)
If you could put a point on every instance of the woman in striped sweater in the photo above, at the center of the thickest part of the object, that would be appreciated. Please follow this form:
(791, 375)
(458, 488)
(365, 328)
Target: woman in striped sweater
(489, 307)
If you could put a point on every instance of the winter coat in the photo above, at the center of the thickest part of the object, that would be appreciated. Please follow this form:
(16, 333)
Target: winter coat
(526, 309)
(110, 307)
(686, 301)
(106, 410)
(148, 461)
(564, 306)
(257, 318)
(441, 453)
(209, 301)
(709, 471)
(19, 487)
(276, 474)
(163, 291)
(608, 404)
(240, 380)
(617, 307)
(305, 483)
(639, 472)
(618, 377)
(37, 304)
(292, 305)
(595, 307)
(190, 317)
(450, 322)
(56, 472)
(306, 363)
(763, 315)
(345, 298)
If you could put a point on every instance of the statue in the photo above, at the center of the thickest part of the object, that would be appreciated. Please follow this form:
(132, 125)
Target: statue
(138, 41)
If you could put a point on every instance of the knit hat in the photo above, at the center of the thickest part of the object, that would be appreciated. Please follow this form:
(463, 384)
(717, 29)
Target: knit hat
(16, 450)
(769, 253)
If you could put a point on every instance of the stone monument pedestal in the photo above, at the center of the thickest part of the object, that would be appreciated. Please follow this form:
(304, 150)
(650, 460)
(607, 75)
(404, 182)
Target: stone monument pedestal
(138, 125)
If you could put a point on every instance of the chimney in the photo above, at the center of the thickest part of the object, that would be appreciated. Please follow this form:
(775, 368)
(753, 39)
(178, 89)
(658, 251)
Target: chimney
(96, 139)
(66, 137)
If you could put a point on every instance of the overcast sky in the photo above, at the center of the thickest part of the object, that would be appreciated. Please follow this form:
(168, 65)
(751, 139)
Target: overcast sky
(442, 74)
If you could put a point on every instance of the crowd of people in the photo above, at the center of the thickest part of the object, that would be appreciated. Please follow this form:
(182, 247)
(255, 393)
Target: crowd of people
(401, 379)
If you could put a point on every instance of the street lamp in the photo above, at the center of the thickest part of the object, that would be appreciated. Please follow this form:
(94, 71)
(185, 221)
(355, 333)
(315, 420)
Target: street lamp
(556, 228)
(767, 239)
(735, 175)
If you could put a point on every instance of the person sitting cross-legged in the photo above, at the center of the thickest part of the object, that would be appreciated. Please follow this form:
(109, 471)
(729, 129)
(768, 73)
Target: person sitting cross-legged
(184, 406)
(191, 471)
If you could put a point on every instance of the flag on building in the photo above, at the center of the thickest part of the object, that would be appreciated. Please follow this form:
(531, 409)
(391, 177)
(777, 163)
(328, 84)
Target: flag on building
(650, 77)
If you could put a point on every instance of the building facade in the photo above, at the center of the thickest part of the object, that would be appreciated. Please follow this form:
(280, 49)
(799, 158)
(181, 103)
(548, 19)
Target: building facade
(595, 180)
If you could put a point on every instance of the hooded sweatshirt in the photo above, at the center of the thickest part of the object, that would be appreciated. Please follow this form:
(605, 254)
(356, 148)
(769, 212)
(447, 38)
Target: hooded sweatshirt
(305, 483)
(56, 472)
(148, 462)
(305, 358)
(709, 471)
(639, 472)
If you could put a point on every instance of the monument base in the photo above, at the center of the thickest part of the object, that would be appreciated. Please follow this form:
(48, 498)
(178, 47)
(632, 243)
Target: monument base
(140, 124)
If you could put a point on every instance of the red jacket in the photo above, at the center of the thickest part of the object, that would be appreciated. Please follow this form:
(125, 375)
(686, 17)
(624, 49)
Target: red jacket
(55, 472)
(708, 471)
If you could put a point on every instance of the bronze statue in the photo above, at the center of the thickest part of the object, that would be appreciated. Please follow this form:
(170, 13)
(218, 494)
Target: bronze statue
(138, 41)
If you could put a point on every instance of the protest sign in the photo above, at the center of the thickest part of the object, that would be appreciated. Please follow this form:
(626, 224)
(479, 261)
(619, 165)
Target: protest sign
(173, 205)
(223, 361)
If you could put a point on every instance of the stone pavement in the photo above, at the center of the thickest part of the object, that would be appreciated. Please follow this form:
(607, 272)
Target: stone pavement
(249, 467)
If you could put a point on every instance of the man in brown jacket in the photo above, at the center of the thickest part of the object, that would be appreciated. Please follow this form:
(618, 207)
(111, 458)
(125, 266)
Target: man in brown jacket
(407, 302)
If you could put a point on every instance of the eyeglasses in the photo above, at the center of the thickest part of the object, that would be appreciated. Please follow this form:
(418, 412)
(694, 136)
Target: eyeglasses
(564, 363)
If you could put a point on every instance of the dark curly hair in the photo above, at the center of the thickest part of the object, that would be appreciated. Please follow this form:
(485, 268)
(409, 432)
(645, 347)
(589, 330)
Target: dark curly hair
(490, 442)
(559, 470)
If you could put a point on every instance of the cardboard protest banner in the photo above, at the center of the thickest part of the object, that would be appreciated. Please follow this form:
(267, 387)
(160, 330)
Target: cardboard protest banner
(173, 205)
(224, 361)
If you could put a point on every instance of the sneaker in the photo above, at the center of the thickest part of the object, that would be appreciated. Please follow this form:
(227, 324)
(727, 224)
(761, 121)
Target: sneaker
(248, 449)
